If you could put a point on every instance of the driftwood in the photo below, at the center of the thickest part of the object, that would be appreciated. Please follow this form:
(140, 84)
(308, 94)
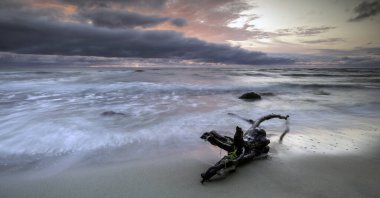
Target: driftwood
(242, 118)
(257, 122)
(285, 132)
(241, 148)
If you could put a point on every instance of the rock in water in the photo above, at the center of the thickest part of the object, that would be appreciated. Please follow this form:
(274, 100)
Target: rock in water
(251, 96)
(112, 113)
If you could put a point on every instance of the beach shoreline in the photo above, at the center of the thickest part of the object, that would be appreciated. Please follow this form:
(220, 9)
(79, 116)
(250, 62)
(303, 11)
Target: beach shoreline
(285, 174)
(57, 142)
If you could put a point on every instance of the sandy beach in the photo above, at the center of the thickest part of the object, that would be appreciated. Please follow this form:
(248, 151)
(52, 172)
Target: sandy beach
(289, 173)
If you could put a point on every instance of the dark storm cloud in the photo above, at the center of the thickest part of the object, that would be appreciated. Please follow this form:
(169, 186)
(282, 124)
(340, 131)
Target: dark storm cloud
(96, 30)
(109, 3)
(366, 10)
(32, 60)
(125, 19)
(103, 17)
(17, 9)
(39, 36)
(304, 31)
(324, 41)
(179, 22)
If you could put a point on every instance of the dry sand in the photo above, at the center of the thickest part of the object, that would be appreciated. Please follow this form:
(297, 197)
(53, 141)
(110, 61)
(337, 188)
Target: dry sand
(288, 173)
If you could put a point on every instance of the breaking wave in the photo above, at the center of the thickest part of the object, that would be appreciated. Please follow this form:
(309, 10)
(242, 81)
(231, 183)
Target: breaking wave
(57, 112)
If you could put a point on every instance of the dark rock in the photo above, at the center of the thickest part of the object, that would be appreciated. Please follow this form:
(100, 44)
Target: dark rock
(251, 96)
(139, 70)
(310, 100)
(321, 92)
(112, 113)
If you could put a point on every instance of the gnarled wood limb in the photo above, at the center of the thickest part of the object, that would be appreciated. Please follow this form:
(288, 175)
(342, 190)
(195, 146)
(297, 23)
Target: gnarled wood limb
(217, 140)
(285, 132)
(257, 122)
(268, 117)
(242, 118)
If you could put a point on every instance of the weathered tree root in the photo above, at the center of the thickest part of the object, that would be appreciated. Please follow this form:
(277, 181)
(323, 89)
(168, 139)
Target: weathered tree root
(256, 144)
(257, 122)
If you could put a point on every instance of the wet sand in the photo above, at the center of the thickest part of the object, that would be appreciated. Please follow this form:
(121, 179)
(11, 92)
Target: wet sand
(285, 174)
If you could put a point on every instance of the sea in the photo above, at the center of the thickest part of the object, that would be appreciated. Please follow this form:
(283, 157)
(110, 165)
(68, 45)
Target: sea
(107, 115)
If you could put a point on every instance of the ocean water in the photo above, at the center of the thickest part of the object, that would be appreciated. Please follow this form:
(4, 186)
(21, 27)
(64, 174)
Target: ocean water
(58, 113)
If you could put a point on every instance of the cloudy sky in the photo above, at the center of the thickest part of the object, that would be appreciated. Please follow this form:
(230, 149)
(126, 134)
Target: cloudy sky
(248, 32)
